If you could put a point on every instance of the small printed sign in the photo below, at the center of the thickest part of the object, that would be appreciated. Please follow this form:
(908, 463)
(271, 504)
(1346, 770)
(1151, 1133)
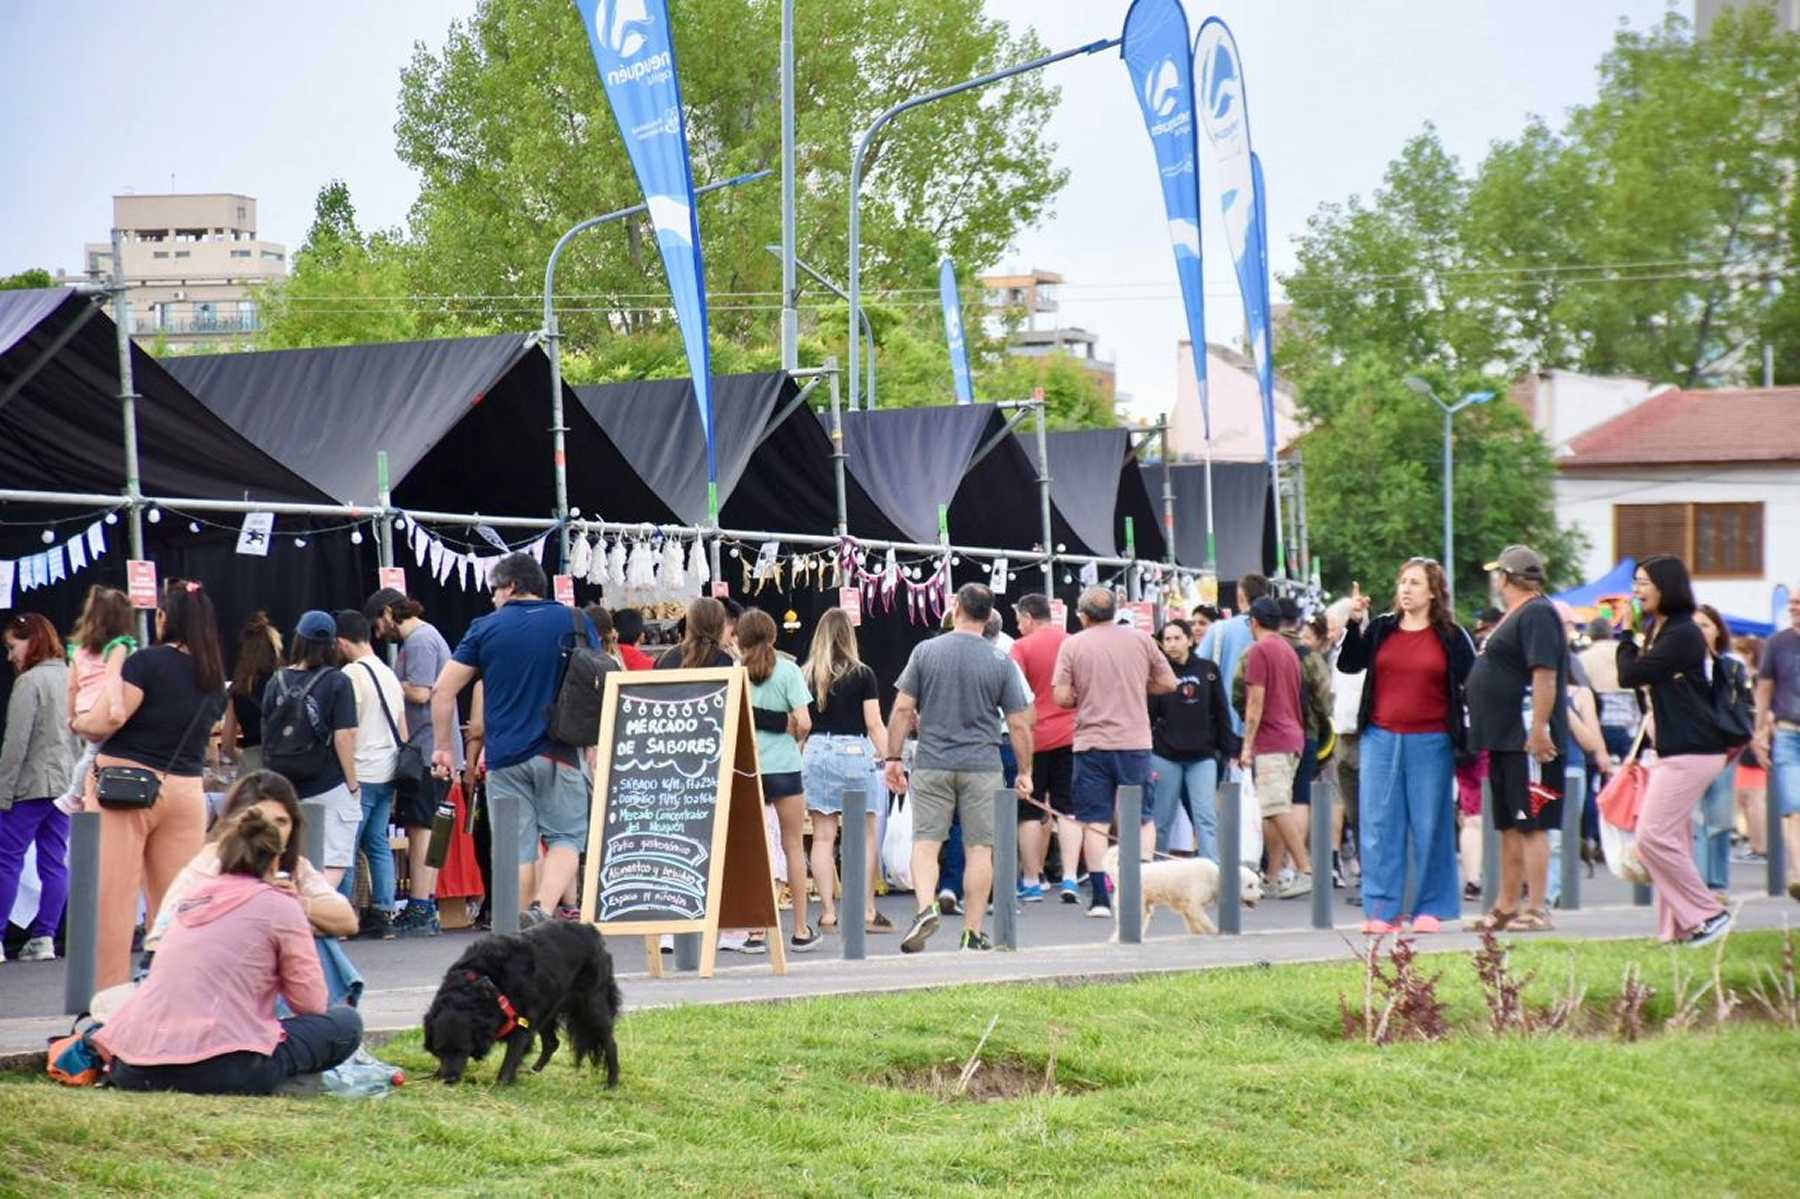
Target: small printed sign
(721, 589)
(850, 600)
(565, 589)
(140, 583)
(254, 536)
(1059, 614)
(394, 577)
(1143, 615)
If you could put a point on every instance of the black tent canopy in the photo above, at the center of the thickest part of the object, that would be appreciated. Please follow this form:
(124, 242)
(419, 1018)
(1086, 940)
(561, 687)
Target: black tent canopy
(465, 423)
(1095, 485)
(1245, 525)
(62, 427)
(774, 458)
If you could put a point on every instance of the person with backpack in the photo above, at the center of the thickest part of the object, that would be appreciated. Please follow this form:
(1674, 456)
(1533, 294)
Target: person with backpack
(1678, 669)
(309, 736)
(542, 665)
(380, 733)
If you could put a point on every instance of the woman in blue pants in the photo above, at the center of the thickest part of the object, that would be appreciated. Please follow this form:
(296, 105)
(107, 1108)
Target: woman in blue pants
(1411, 725)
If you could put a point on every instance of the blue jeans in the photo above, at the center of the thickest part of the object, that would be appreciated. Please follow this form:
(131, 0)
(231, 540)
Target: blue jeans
(372, 839)
(1191, 785)
(1714, 818)
(1784, 771)
(1406, 800)
(309, 1045)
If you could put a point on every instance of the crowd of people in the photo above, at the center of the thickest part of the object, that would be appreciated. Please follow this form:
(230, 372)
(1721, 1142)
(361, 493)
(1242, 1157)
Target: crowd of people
(1408, 712)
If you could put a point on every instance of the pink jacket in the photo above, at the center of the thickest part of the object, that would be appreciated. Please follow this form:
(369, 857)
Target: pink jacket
(235, 944)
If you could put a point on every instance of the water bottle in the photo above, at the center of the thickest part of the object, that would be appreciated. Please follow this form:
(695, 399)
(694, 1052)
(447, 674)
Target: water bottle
(443, 824)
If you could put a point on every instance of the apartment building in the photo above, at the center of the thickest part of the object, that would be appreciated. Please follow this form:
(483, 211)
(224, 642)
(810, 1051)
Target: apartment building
(1014, 305)
(190, 262)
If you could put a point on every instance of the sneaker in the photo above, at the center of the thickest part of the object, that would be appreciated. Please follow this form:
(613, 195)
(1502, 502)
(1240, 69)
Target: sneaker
(1100, 910)
(1748, 855)
(974, 941)
(1337, 878)
(1711, 931)
(754, 943)
(948, 904)
(1472, 892)
(879, 923)
(376, 925)
(1295, 886)
(1081, 880)
(804, 944)
(730, 942)
(923, 925)
(1070, 891)
(1031, 893)
(421, 920)
(1284, 878)
(568, 913)
(530, 918)
(38, 949)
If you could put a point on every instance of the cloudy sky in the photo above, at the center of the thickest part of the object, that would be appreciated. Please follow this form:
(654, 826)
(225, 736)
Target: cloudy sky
(272, 99)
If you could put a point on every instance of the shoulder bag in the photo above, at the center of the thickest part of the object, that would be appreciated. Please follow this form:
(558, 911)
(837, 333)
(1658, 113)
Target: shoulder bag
(135, 788)
(409, 766)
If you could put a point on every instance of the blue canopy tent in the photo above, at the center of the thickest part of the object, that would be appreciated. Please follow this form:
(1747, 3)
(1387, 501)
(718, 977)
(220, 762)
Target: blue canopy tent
(1616, 581)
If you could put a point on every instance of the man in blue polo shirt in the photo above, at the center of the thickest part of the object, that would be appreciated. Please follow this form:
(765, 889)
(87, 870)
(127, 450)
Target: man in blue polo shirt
(517, 652)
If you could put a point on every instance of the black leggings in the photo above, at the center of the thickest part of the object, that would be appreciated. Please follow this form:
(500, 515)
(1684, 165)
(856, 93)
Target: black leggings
(312, 1044)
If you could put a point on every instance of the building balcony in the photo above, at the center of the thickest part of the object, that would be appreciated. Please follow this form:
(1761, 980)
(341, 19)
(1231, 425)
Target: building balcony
(190, 324)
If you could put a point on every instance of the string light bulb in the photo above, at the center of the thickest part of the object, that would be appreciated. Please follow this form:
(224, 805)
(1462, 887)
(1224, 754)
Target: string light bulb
(49, 536)
(355, 536)
(193, 526)
(155, 516)
(300, 542)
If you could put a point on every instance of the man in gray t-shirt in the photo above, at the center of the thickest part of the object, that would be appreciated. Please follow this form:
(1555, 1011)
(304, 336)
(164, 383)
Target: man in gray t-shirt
(950, 689)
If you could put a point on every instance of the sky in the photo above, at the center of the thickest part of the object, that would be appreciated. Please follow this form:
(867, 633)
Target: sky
(274, 100)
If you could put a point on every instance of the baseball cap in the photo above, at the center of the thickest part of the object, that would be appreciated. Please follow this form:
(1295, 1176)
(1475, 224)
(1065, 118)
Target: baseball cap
(316, 626)
(1520, 561)
(1266, 612)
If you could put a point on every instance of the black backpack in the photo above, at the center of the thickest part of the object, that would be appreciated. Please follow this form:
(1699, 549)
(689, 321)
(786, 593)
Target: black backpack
(297, 742)
(581, 686)
(1731, 709)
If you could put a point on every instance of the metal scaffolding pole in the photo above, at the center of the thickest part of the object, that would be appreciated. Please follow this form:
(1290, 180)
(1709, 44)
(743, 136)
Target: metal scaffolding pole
(1168, 495)
(134, 499)
(790, 318)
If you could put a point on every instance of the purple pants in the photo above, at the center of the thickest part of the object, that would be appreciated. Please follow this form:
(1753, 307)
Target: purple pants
(28, 821)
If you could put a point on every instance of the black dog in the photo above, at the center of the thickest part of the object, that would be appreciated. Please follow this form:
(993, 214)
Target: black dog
(513, 987)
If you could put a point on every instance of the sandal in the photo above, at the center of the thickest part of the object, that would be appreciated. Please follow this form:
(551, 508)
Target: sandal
(879, 923)
(828, 924)
(1493, 922)
(1532, 921)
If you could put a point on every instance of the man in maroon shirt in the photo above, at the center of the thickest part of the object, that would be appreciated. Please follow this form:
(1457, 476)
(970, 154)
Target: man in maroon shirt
(1053, 761)
(1274, 738)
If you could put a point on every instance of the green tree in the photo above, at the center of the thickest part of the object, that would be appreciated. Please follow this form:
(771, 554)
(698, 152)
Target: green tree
(512, 136)
(35, 277)
(1375, 479)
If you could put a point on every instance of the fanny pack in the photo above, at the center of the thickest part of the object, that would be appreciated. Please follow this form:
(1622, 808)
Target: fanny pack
(767, 720)
(135, 788)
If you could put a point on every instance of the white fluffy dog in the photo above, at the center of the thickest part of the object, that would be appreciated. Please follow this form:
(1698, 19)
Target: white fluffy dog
(1185, 884)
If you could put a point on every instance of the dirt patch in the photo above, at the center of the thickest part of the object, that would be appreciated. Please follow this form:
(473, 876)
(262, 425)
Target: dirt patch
(954, 1082)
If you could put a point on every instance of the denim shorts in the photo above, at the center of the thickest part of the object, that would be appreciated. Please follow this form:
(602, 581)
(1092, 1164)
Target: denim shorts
(1099, 773)
(840, 762)
(1784, 769)
(553, 799)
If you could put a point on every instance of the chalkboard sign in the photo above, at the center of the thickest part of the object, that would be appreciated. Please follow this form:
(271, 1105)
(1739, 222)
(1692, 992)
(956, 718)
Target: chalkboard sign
(661, 797)
(676, 842)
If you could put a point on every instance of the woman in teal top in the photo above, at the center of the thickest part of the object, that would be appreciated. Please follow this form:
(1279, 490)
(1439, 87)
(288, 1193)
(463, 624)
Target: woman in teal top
(778, 701)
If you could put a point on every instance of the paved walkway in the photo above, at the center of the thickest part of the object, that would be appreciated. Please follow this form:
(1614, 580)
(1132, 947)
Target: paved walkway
(1056, 942)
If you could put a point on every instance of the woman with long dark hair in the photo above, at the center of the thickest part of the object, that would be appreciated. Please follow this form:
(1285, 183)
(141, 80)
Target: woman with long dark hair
(1675, 664)
(778, 708)
(103, 632)
(35, 761)
(158, 708)
(203, 1020)
(702, 641)
(1189, 730)
(1410, 727)
(258, 658)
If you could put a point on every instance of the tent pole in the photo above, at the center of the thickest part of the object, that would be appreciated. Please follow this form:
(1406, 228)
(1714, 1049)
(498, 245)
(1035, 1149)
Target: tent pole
(558, 430)
(1300, 516)
(837, 450)
(384, 541)
(1212, 556)
(790, 318)
(134, 496)
(1043, 449)
(1168, 496)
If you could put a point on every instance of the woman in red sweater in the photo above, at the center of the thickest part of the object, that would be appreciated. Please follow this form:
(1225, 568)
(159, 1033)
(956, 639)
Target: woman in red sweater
(203, 1021)
(1411, 723)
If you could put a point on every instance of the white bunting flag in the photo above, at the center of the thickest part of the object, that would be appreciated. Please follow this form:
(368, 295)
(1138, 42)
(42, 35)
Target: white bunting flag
(465, 563)
(436, 552)
(420, 543)
(54, 556)
(7, 571)
(96, 538)
(77, 551)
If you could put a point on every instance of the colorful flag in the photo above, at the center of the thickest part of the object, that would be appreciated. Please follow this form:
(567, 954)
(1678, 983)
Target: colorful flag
(953, 332)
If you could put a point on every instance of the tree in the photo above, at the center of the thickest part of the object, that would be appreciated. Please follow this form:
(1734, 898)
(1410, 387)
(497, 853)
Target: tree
(1374, 479)
(1654, 235)
(511, 133)
(35, 277)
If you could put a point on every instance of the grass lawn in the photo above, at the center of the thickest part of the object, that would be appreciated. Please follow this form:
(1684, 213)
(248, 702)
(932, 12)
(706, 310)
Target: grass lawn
(1229, 1081)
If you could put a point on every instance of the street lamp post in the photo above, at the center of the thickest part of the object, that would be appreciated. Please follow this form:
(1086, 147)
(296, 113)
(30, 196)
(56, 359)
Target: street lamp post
(861, 315)
(1419, 386)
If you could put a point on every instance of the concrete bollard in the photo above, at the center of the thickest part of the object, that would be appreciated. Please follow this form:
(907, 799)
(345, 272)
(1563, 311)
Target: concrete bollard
(1231, 901)
(1777, 843)
(1640, 895)
(1128, 898)
(313, 816)
(1490, 849)
(81, 919)
(1574, 801)
(1006, 868)
(503, 888)
(1324, 793)
(853, 840)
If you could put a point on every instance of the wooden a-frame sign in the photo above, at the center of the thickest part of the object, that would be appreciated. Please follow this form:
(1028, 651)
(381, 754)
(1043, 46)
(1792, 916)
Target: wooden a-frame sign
(676, 839)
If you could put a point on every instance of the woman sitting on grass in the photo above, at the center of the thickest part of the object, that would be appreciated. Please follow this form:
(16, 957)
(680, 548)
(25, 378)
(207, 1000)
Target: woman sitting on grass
(203, 1021)
(327, 912)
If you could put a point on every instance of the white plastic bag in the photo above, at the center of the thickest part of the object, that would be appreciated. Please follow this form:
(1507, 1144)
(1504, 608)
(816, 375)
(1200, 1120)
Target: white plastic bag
(896, 844)
(1250, 830)
(1620, 847)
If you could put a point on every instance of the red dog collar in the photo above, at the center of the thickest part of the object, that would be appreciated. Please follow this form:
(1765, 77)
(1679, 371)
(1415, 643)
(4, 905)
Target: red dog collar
(513, 1020)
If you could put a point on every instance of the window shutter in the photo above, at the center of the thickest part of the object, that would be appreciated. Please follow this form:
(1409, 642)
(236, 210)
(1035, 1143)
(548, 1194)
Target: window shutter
(1640, 530)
